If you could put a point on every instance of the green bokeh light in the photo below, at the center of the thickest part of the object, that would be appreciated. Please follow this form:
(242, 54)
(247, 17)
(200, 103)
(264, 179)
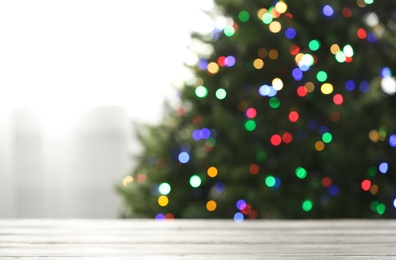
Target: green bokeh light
(261, 156)
(373, 206)
(250, 125)
(301, 172)
(381, 208)
(267, 18)
(201, 91)
(307, 205)
(314, 45)
(221, 93)
(195, 181)
(270, 181)
(372, 171)
(321, 76)
(274, 102)
(229, 31)
(327, 137)
(243, 16)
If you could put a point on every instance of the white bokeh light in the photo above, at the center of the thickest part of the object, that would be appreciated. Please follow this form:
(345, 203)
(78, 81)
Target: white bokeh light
(388, 85)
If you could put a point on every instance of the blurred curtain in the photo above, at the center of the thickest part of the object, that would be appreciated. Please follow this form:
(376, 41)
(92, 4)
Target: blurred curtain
(57, 165)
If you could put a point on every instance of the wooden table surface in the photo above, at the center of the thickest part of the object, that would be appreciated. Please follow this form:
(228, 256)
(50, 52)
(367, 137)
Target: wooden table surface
(196, 239)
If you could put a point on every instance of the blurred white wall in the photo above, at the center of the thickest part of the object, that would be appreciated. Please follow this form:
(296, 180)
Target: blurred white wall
(74, 76)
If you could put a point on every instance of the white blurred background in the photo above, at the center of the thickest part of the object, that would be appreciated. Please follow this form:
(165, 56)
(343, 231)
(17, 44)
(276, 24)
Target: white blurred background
(74, 76)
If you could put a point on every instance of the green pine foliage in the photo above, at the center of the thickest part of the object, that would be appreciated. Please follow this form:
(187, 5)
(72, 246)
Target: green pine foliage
(292, 115)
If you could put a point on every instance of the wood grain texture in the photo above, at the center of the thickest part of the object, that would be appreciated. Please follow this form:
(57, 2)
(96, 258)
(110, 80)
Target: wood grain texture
(196, 239)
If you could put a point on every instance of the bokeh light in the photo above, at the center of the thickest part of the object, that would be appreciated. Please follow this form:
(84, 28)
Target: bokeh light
(163, 201)
(366, 184)
(301, 172)
(241, 204)
(392, 140)
(250, 125)
(293, 116)
(221, 93)
(270, 181)
(212, 171)
(201, 91)
(164, 188)
(238, 217)
(307, 205)
(383, 167)
(327, 88)
(211, 205)
(184, 157)
(328, 10)
(195, 181)
(276, 140)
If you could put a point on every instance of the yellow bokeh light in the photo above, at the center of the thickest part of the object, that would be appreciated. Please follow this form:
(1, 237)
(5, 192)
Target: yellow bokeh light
(127, 180)
(275, 27)
(298, 57)
(319, 146)
(374, 136)
(213, 68)
(258, 64)
(374, 189)
(334, 49)
(261, 12)
(211, 205)
(281, 7)
(274, 13)
(360, 3)
(327, 88)
(212, 171)
(262, 52)
(309, 86)
(277, 83)
(163, 201)
(273, 54)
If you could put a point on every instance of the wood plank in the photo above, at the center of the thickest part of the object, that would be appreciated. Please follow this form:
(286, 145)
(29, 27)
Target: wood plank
(196, 239)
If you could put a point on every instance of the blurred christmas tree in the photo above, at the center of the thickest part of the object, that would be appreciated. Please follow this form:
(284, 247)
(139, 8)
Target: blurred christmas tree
(291, 115)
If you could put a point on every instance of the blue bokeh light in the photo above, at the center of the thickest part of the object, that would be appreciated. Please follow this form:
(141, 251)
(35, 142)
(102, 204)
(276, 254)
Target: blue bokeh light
(383, 167)
(290, 33)
(238, 217)
(350, 85)
(184, 157)
(328, 10)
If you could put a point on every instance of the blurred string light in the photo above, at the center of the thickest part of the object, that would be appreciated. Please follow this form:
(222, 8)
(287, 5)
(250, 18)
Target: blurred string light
(250, 125)
(201, 134)
(388, 82)
(270, 181)
(195, 181)
(211, 205)
(238, 217)
(307, 205)
(184, 157)
(201, 91)
(127, 180)
(327, 10)
(164, 188)
(305, 58)
(383, 167)
(212, 171)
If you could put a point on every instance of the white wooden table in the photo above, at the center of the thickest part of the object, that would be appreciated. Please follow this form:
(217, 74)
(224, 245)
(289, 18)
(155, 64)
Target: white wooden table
(196, 239)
